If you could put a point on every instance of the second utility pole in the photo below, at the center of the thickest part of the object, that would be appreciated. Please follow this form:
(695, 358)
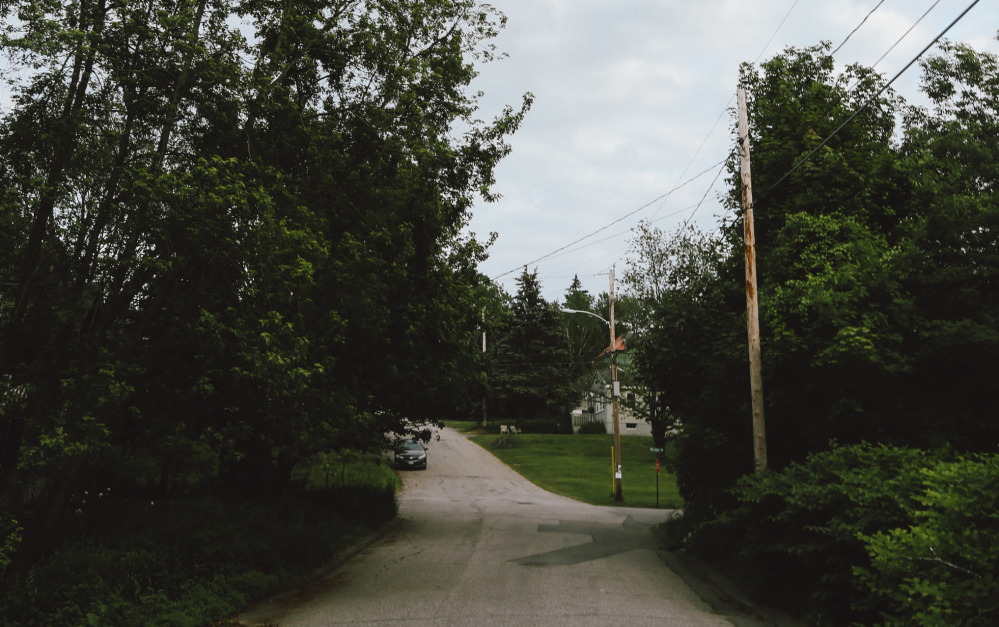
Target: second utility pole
(752, 305)
(615, 394)
(485, 392)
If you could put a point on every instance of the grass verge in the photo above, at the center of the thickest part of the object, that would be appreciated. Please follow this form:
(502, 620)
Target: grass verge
(579, 466)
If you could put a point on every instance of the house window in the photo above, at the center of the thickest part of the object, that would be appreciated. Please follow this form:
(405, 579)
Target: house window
(631, 425)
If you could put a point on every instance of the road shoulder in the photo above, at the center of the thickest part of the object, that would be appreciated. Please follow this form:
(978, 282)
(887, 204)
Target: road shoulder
(267, 612)
(723, 594)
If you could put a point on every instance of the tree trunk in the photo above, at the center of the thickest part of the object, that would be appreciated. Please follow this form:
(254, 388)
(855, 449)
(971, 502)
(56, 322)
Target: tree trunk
(63, 149)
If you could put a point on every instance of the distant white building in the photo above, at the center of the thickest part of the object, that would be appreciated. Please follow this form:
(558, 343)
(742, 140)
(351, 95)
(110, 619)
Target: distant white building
(597, 406)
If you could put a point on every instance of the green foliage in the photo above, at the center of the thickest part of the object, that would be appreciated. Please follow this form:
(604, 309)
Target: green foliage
(795, 532)
(345, 468)
(10, 540)
(943, 568)
(876, 261)
(864, 533)
(690, 357)
(531, 372)
(589, 428)
(187, 562)
(587, 335)
(232, 235)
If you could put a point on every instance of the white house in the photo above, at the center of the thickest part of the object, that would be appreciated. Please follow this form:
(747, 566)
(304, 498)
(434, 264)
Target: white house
(597, 406)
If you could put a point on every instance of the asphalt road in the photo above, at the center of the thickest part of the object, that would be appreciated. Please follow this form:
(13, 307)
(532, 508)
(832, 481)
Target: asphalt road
(478, 545)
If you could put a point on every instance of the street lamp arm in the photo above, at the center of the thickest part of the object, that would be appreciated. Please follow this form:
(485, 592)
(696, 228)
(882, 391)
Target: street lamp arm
(589, 313)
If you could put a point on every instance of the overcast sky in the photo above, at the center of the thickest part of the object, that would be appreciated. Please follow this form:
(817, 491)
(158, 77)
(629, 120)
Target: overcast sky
(627, 93)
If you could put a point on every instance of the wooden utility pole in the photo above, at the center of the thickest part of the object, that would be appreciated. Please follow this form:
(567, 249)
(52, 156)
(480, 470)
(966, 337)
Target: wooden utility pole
(485, 392)
(752, 305)
(615, 394)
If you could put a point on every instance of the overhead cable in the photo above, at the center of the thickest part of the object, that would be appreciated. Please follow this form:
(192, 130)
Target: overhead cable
(767, 45)
(607, 226)
(699, 148)
(869, 101)
(859, 25)
(906, 33)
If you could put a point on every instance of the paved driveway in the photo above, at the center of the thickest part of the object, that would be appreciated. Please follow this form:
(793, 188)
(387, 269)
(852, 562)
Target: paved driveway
(478, 545)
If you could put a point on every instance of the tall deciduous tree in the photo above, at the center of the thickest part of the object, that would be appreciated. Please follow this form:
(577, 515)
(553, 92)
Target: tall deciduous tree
(950, 329)
(234, 227)
(876, 258)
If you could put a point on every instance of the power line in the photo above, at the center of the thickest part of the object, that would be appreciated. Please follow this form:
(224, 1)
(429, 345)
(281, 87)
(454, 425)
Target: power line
(906, 34)
(629, 230)
(858, 27)
(699, 148)
(607, 226)
(855, 113)
(767, 45)
(612, 253)
(869, 101)
(703, 198)
(676, 187)
(686, 222)
(569, 247)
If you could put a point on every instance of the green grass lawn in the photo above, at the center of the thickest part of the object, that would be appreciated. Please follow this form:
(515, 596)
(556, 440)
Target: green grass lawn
(579, 466)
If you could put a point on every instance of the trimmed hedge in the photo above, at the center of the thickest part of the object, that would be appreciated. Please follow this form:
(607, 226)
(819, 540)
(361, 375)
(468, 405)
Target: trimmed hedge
(593, 428)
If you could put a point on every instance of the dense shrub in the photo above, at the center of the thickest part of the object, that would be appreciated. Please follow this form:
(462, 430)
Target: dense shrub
(593, 427)
(869, 533)
(10, 539)
(943, 569)
(185, 563)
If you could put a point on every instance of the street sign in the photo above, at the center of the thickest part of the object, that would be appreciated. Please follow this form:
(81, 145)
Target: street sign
(656, 450)
(657, 466)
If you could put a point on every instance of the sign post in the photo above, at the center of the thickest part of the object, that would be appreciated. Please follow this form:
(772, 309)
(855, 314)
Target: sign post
(657, 483)
(613, 481)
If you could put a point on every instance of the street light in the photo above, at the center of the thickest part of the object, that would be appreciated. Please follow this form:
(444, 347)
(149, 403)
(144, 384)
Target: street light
(589, 313)
(615, 390)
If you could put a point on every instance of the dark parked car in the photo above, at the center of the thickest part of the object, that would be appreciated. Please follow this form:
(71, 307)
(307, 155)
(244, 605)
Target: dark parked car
(411, 455)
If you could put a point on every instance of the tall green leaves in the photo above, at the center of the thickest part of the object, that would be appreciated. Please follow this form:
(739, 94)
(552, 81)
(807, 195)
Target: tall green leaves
(532, 372)
(953, 222)
(876, 257)
(234, 227)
